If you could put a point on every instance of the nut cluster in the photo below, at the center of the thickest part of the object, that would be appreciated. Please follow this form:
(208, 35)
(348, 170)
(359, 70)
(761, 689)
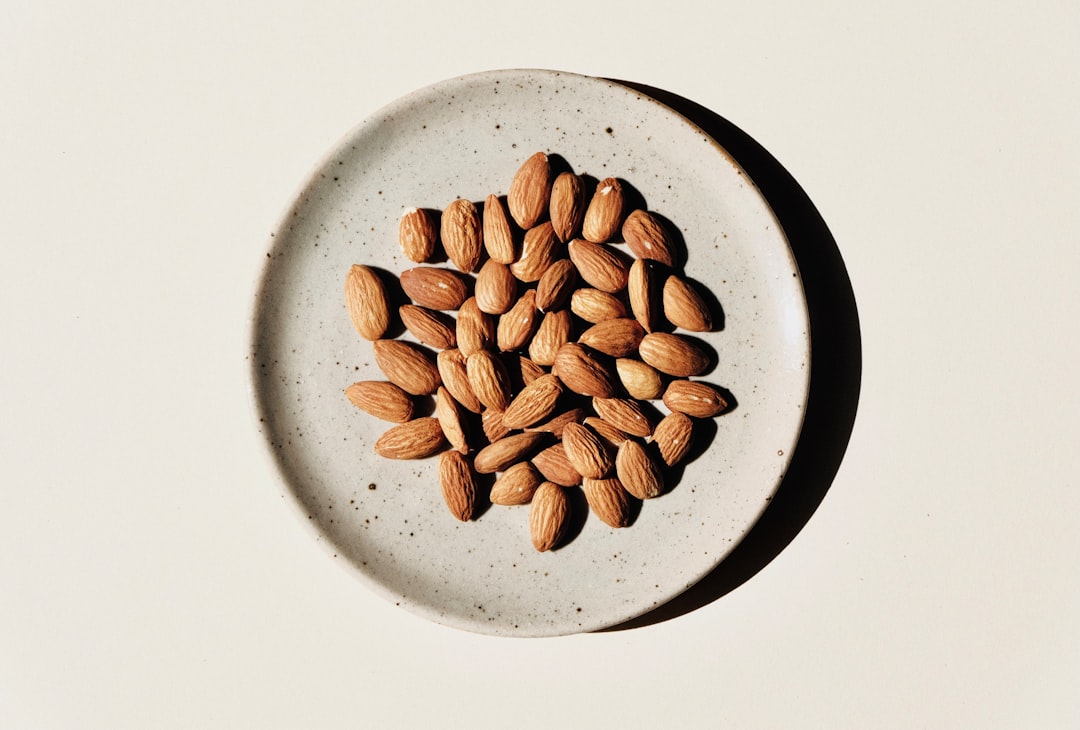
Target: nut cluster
(560, 340)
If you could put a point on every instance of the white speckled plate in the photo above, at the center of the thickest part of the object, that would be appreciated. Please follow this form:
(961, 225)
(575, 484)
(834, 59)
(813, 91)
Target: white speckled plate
(387, 520)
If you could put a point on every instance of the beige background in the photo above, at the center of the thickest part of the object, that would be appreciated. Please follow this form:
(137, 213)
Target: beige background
(150, 574)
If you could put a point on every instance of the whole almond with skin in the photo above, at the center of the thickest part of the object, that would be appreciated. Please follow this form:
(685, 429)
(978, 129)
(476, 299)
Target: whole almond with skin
(604, 215)
(556, 425)
(382, 400)
(434, 288)
(613, 337)
(684, 306)
(516, 485)
(643, 288)
(430, 327)
(492, 423)
(594, 306)
(539, 249)
(639, 473)
(365, 298)
(417, 439)
(462, 234)
(609, 433)
(517, 326)
(448, 412)
(599, 265)
(694, 398)
(554, 332)
(553, 463)
(530, 191)
(674, 354)
(639, 379)
(534, 403)
(458, 484)
(587, 452)
(624, 414)
(583, 372)
(497, 233)
(488, 379)
(407, 366)
(454, 375)
(556, 285)
(567, 207)
(608, 500)
(526, 371)
(648, 238)
(496, 288)
(418, 233)
(548, 516)
(674, 436)
(475, 329)
(507, 451)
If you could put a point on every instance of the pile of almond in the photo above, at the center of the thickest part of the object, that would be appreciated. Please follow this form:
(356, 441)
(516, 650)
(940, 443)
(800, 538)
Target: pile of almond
(560, 340)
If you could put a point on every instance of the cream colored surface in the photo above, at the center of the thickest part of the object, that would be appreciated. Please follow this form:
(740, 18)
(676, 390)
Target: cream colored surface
(151, 575)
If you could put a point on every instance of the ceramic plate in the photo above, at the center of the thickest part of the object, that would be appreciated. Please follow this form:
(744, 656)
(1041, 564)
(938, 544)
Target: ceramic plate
(386, 519)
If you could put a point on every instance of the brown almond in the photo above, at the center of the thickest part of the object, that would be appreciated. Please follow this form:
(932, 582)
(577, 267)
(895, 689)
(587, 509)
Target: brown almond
(430, 327)
(488, 379)
(594, 306)
(534, 403)
(694, 398)
(448, 411)
(608, 500)
(454, 375)
(567, 205)
(530, 191)
(556, 425)
(582, 371)
(527, 370)
(496, 288)
(614, 436)
(507, 451)
(434, 287)
(418, 233)
(408, 366)
(624, 414)
(605, 212)
(639, 379)
(417, 439)
(648, 237)
(599, 265)
(382, 400)
(458, 485)
(492, 423)
(517, 326)
(462, 234)
(365, 297)
(674, 436)
(587, 452)
(643, 289)
(639, 473)
(554, 332)
(684, 306)
(556, 467)
(556, 285)
(548, 516)
(613, 337)
(676, 355)
(498, 234)
(475, 329)
(539, 250)
(516, 485)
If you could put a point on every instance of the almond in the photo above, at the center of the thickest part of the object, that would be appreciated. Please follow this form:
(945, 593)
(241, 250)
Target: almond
(586, 451)
(501, 454)
(365, 297)
(606, 431)
(674, 354)
(614, 337)
(516, 485)
(605, 212)
(458, 485)
(434, 288)
(599, 265)
(430, 327)
(624, 414)
(639, 473)
(492, 423)
(548, 516)
(684, 307)
(530, 191)
(694, 398)
(454, 375)
(639, 379)
(594, 306)
(448, 411)
(556, 285)
(462, 235)
(381, 399)
(417, 439)
(583, 372)
(553, 463)
(674, 436)
(539, 250)
(496, 288)
(516, 327)
(556, 425)
(527, 370)
(418, 234)
(553, 332)
(407, 366)
(498, 234)
(608, 500)
(534, 403)
(644, 292)
(567, 205)
(648, 238)
(475, 329)
(488, 379)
